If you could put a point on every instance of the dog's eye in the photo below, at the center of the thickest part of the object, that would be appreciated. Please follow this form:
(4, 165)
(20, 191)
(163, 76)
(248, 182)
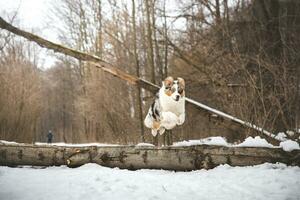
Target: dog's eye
(168, 87)
(180, 90)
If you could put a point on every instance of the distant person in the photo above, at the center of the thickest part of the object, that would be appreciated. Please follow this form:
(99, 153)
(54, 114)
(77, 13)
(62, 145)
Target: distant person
(50, 136)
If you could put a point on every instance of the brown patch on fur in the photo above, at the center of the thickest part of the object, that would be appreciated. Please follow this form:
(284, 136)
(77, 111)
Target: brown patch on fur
(182, 94)
(181, 82)
(156, 125)
(168, 92)
(168, 82)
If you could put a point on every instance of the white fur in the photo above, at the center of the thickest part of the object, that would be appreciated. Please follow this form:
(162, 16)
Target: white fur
(168, 103)
(169, 120)
(172, 112)
(148, 121)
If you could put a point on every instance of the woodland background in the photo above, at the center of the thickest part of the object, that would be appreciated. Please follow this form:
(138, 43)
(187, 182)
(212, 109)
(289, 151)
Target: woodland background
(240, 56)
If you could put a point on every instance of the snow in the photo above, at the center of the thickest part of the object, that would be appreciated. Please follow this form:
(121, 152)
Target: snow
(219, 141)
(281, 136)
(145, 145)
(62, 144)
(91, 181)
(8, 142)
(290, 133)
(289, 145)
(76, 145)
(255, 142)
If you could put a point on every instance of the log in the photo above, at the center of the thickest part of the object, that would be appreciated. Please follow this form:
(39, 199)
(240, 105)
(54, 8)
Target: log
(144, 157)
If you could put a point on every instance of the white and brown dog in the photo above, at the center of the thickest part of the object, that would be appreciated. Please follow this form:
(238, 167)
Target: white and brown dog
(168, 109)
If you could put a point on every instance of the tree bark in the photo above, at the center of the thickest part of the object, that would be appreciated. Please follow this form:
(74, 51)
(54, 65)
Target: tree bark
(144, 157)
(137, 65)
(150, 53)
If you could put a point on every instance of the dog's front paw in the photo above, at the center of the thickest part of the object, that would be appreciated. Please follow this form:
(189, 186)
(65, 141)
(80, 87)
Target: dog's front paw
(154, 132)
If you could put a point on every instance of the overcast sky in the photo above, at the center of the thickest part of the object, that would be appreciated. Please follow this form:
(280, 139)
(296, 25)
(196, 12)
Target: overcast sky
(32, 12)
(33, 15)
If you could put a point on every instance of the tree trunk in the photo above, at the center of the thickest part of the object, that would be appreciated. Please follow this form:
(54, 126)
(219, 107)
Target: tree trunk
(137, 65)
(165, 36)
(150, 53)
(297, 118)
(144, 157)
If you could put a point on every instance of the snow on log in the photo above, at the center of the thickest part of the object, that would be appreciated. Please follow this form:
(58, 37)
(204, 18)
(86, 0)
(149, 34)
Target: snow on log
(182, 158)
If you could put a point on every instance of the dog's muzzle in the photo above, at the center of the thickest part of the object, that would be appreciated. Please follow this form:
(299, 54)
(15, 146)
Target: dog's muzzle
(177, 98)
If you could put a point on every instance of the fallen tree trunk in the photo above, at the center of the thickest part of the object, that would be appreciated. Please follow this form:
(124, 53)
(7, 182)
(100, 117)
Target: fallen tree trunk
(144, 157)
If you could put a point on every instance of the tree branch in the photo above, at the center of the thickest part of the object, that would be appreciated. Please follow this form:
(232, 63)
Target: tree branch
(96, 61)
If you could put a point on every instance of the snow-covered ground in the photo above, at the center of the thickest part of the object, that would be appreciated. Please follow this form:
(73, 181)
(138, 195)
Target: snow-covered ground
(267, 181)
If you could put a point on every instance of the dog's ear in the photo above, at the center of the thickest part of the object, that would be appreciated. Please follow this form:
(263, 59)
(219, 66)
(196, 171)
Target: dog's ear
(168, 82)
(181, 82)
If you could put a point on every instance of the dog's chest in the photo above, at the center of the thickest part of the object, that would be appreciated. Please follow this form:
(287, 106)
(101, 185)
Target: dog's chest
(168, 104)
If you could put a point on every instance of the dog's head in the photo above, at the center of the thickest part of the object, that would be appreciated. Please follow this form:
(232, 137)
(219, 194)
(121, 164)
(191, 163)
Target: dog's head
(174, 88)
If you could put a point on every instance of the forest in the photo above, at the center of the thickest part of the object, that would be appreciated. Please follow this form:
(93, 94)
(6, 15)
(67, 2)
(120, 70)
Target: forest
(240, 57)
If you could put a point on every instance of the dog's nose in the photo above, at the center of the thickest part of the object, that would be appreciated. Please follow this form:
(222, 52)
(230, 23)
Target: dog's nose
(177, 97)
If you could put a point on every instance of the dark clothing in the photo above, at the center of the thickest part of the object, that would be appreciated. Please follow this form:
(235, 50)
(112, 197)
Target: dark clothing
(50, 136)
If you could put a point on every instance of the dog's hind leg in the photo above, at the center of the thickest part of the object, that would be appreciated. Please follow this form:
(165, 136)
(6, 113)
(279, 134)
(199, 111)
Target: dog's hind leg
(168, 137)
(155, 140)
(164, 139)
